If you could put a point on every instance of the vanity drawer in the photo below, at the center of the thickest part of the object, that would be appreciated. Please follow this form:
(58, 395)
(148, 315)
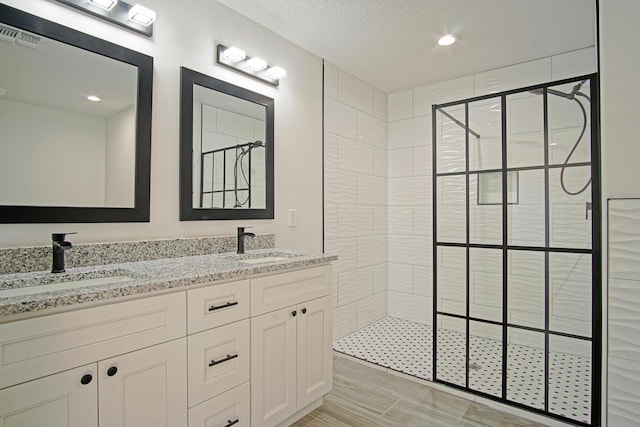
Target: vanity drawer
(223, 410)
(218, 359)
(217, 305)
(33, 348)
(282, 290)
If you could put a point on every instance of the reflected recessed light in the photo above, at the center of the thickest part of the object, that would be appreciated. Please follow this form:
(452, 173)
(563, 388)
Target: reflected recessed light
(256, 64)
(93, 98)
(553, 143)
(447, 40)
(142, 15)
(104, 4)
(234, 54)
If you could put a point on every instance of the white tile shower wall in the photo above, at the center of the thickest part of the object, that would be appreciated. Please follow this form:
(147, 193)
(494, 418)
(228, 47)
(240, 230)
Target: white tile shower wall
(624, 302)
(356, 215)
(410, 193)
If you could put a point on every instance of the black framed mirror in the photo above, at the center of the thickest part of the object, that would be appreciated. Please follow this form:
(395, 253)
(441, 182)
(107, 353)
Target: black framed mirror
(75, 120)
(226, 150)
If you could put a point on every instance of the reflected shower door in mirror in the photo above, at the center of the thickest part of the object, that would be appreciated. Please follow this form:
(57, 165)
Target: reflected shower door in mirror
(226, 140)
(75, 120)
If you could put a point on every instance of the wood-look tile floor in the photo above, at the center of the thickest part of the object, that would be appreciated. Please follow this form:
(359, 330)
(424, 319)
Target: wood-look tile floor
(369, 397)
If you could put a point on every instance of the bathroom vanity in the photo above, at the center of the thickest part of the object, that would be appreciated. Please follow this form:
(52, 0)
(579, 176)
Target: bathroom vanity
(211, 340)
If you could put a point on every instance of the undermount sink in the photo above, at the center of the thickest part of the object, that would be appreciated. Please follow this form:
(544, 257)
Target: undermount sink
(263, 260)
(69, 284)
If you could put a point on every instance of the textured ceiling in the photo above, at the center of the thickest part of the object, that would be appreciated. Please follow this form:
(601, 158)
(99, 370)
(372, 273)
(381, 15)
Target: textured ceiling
(392, 44)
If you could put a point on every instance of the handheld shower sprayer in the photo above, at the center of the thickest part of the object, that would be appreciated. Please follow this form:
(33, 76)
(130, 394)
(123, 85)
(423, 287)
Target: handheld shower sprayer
(239, 165)
(571, 96)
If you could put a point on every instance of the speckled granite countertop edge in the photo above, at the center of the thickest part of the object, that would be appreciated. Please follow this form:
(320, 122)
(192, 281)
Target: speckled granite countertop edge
(148, 277)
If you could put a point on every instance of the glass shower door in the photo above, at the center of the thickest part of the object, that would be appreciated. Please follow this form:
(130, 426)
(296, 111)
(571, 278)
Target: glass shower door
(516, 248)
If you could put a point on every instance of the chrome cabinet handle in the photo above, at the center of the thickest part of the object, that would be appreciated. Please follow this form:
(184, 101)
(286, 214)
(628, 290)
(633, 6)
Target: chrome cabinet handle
(229, 357)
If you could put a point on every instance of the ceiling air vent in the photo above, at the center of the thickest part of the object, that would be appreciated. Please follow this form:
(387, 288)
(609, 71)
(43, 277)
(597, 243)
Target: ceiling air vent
(12, 35)
(8, 34)
(28, 40)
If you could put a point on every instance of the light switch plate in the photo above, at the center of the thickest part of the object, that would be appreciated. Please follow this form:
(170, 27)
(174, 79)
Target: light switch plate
(293, 218)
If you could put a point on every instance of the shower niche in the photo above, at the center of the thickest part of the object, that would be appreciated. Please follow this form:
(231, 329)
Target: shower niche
(516, 252)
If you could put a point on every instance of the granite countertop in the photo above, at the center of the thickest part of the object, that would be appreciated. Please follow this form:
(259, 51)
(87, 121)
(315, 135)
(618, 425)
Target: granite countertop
(144, 277)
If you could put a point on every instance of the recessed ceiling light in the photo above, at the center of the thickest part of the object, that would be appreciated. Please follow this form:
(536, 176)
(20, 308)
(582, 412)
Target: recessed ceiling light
(447, 40)
(93, 98)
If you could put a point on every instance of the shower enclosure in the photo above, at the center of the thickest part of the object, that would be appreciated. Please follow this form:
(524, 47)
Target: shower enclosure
(516, 251)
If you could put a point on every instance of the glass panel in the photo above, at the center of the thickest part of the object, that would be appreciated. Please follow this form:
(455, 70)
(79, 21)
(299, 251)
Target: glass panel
(526, 219)
(570, 293)
(450, 140)
(526, 288)
(485, 219)
(570, 213)
(485, 134)
(569, 125)
(485, 358)
(451, 350)
(525, 367)
(570, 378)
(525, 130)
(451, 209)
(452, 280)
(485, 292)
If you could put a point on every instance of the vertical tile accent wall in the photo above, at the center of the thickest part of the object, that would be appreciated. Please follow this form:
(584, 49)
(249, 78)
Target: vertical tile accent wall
(410, 173)
(624, 312)
(355, 198)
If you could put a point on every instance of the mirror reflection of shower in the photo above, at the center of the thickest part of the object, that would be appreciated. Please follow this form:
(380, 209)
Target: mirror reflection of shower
(242, 171)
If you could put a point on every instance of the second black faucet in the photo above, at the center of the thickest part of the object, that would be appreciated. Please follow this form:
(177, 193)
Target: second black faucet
(241, 236)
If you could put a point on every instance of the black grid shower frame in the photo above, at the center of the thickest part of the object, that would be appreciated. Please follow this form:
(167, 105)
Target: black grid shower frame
(595, 251)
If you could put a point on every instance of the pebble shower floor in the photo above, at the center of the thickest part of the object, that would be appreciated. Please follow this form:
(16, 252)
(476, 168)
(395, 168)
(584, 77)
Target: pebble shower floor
(406, 347)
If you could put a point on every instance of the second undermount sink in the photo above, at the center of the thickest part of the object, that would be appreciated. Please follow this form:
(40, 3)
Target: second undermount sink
(69, 284)
(263, 260)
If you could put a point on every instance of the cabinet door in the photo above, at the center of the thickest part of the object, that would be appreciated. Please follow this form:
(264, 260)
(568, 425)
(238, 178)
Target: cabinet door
(60, 400)
(273, 367)
(315, 363)
(145, 388)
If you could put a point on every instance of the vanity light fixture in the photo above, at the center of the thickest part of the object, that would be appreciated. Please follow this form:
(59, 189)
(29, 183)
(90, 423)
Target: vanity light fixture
(448, 39)
(142, 15)
(134, 17)
(105, 4)
(256, 64)
(233, 54)
(236, 59)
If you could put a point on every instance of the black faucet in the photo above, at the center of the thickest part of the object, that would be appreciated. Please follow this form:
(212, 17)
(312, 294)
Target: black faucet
(241, 236)
(59, 246)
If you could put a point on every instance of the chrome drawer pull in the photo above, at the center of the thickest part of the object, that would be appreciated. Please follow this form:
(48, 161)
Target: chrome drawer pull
(218, 307)
(229, 357)
(230, 423)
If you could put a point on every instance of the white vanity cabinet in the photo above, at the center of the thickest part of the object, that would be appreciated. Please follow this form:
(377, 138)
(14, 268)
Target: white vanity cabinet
(252, 352)
(291, 363)
(116, 365)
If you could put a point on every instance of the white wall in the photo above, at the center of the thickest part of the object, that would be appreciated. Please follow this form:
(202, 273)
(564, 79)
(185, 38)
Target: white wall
(185, 34)
(619, 71)
(356, 198)
(43, 163)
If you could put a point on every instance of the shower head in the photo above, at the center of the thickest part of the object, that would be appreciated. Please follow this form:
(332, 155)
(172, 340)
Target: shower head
(571, 95)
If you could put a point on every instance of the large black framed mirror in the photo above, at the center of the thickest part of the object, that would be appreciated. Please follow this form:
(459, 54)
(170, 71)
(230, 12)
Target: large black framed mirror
(75, 124)
(226, 150)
